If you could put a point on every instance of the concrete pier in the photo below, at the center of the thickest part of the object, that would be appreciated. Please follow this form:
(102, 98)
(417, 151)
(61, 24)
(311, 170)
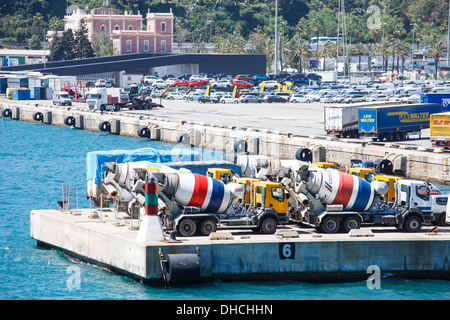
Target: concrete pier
(275, 136)
(102, 238)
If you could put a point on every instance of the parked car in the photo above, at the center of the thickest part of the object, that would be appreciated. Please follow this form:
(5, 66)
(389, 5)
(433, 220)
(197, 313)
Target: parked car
(175, 95)
(194, 96)
(273, 98)
(159, 84)
(181, 83)
(245, 77)
(354, 98)
(260, 77)
(228, 98)
(250, 98)
(377, 97)
(222, 84)
(170, 81)
(242, 84)
(204, 99)
(198, 83)
(148, 80)
(100, 83)
(296, 97)
(270, 85)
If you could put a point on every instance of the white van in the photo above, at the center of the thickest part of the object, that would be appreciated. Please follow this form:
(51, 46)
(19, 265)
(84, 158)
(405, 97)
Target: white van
(61, 98)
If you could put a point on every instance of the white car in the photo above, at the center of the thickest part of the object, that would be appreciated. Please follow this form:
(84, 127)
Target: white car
(296, 97)
(159, 84)
(270, 85)
(414, 98)
(222, 84)
(170, 81)
(228, 99)
(354, 98)
(377, 97)
(175, 96)
(148, 80)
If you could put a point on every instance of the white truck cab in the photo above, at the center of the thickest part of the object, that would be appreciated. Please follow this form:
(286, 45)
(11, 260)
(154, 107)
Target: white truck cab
(61, 98)
(97, 98)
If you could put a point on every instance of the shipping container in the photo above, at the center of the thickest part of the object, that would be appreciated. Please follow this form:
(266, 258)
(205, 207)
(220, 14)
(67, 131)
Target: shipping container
(3, 85)
(17, 81)
(21, 94)
(341, 120)
(440, 130)
(395, 122)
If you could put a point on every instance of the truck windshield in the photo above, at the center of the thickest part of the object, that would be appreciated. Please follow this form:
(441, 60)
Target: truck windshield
(93, 96)
(64, 95)
(277, 194)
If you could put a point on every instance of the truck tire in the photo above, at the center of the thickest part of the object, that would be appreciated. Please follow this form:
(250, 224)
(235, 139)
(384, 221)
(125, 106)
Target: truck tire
(268, 225)
(330, 224)
(352, 222)
(207, 226)
(412, 223)
(187, 227)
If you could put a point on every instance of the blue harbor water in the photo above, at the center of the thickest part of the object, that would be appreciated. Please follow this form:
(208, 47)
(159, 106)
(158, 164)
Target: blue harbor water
(36, 159)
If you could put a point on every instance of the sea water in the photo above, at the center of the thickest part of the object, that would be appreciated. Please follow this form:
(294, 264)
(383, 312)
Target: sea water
(36, 159)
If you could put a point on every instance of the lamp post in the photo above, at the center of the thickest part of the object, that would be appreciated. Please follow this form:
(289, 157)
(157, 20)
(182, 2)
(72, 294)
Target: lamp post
(43, 31)
(276, 37)
(412, 46)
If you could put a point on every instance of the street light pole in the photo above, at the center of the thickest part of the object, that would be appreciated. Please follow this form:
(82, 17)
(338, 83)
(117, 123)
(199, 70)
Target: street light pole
(412, 46)
(276, 37)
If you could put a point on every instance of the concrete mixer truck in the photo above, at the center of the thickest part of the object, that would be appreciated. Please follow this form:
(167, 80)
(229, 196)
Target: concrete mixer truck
(190, 202)
(333, 200)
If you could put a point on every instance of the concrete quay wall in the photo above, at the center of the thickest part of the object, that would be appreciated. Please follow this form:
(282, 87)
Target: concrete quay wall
(329, 257)
(413, 162)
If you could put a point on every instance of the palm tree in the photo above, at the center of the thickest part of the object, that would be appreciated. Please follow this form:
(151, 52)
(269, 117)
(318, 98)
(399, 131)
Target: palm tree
(436, 50)
(401, 51)
(299, 49)
(359, 50)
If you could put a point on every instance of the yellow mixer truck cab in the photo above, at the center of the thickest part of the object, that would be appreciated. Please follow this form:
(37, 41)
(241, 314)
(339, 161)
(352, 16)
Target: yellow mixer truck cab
(270, 195)
(224, 175)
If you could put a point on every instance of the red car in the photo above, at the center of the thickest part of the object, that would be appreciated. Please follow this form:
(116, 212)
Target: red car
(242, 84)
(198, 83)
(181, 83)
(244, 77)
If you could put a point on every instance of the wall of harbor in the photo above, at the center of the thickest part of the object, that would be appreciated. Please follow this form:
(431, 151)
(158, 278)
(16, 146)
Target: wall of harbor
(414, 162)
(305, 257)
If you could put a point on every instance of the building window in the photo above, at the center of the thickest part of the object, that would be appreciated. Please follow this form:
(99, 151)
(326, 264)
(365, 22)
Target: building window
(130, 27)
(163, 46)
(146, 45)
(103, 28)
(163, 27)
(129, 42)
(116, 27)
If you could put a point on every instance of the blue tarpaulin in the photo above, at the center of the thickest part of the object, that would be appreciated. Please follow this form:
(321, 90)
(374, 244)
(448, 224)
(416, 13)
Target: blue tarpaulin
(96, 159)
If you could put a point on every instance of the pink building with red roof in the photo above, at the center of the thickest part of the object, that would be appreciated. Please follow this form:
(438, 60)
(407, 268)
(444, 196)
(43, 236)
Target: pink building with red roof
(127, 30)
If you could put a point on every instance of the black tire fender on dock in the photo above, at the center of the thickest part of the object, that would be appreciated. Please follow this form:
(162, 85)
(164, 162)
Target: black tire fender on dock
(104, 126)
(143, 132)
(240, 146)
(183, 138)
(183, 267)
(38, 116)
(7, 113)
(69, 121)
(304, 154)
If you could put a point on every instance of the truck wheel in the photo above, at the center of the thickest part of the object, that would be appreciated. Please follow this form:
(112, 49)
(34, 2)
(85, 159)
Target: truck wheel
(268, 225)
(187, 227)
(352, 222)
(208, 226)
(330, 225)
(412, 224)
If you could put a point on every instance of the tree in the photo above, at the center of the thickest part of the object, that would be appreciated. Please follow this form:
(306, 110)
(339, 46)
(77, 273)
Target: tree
(299, 49)
(436, 50)
(102, 45)
(82, 47)
(56, 49)
(359, 50)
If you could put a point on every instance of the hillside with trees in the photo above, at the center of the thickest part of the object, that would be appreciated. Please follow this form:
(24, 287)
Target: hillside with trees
(233, 24)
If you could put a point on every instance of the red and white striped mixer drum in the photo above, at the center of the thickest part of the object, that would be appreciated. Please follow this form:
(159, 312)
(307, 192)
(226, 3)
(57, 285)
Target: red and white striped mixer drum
(353, 192)
(209, 194)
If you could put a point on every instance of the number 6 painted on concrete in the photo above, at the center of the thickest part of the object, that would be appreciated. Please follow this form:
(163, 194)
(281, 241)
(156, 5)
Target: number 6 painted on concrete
(287, 250)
